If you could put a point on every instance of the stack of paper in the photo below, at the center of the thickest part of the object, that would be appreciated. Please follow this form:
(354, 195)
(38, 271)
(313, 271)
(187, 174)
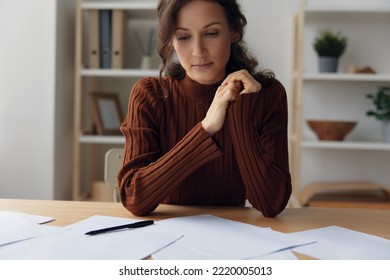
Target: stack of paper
(191, 237)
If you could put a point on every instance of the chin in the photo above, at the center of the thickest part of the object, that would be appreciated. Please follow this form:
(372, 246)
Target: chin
(206, 79)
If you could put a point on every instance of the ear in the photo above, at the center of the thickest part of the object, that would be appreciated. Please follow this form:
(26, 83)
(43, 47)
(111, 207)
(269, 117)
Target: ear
(235, 37)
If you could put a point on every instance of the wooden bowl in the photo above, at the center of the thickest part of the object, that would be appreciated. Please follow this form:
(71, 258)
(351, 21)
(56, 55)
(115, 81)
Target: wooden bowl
(331, 130)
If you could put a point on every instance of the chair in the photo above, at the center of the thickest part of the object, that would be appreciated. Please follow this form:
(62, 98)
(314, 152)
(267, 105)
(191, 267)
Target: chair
(112, 163)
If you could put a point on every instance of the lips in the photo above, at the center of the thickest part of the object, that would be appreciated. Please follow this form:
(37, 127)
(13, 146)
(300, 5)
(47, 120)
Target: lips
(201, 66)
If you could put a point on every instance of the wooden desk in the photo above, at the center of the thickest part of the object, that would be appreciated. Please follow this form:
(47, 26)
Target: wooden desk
(376, 222)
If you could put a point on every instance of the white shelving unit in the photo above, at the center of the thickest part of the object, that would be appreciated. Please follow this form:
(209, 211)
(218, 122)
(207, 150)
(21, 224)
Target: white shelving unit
(361, 156)
(346, 77)
(346, 145)
(124, 73)
(89, 148)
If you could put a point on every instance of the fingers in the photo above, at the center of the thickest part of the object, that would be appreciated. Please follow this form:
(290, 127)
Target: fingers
(228, 92)
(247, 83)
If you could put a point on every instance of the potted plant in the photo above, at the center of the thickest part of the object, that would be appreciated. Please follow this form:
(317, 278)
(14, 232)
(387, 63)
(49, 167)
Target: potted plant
(381, 100)
(329, 47)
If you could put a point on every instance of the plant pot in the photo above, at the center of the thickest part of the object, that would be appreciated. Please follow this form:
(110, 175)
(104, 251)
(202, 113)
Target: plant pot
(386, 131)
(146, 62)
(328, 64)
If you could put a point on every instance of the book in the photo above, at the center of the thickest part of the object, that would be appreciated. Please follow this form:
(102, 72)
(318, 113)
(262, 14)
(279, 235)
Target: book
(105, 38)
(117, 32)
(93, 39)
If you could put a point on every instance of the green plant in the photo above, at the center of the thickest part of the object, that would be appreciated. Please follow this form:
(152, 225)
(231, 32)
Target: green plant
(382, 102)
(328, 43)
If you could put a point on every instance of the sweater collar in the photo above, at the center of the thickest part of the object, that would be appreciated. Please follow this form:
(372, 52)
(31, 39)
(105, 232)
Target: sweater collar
(198, 91)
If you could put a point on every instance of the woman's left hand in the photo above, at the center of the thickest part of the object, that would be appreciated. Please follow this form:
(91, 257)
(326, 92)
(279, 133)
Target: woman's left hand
(248, 84)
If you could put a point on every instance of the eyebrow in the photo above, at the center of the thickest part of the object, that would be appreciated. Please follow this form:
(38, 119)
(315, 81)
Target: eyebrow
(206, 26)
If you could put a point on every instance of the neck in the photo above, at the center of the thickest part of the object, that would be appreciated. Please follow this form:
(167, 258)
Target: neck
(198, 91)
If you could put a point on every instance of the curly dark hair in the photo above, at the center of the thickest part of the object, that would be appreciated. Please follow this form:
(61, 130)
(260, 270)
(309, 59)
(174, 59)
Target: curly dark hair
(240, 58)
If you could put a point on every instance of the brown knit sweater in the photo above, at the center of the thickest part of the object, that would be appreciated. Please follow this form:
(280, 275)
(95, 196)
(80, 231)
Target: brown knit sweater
(170, 158)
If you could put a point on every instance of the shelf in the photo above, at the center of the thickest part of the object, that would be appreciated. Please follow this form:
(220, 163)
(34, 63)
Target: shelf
(345, 145)
(316, 9)
(346, 77)
(89, 148)
(138, 73)
(339, 95)
(117, 4)
(102, 139)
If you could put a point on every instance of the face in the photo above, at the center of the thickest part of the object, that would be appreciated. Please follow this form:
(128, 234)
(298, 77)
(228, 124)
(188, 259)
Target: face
(202, 41)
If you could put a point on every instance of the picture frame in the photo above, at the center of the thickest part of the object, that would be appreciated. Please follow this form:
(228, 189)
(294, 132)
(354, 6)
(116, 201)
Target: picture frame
(106, 113)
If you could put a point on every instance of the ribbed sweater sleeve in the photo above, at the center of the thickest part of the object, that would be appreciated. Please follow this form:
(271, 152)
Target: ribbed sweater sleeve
(258, 127)
(147, 175)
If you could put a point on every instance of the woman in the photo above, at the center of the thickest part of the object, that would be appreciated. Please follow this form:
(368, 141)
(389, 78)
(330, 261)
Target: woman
(212, 131)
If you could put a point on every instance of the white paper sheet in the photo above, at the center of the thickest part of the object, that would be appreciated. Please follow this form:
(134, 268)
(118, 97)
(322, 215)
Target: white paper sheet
(210, 237)
(181, 252)
(280, 255)
(73, 244)
(37, 219)
(19, 226)
(337, 243)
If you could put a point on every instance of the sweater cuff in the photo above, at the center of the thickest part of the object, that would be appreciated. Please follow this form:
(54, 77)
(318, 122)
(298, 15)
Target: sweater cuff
(201, 146)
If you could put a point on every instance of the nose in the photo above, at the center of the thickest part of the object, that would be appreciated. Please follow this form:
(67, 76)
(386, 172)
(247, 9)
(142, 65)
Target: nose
(198, 49)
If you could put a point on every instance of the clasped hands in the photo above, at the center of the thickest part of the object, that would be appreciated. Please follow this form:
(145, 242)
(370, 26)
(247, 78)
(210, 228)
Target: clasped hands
(236, 83)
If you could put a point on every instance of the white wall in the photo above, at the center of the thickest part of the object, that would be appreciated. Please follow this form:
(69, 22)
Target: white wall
(269, 34)
(28, 94)
(26, 98)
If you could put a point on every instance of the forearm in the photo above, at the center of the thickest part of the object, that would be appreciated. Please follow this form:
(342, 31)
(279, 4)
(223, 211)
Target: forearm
(262, 158)
(145, 182)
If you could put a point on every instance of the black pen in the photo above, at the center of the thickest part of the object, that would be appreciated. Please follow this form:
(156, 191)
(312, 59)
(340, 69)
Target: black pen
(132, 225)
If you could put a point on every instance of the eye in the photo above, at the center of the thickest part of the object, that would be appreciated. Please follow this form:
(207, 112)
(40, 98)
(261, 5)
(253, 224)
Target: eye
(182, 37)
(211, 34)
